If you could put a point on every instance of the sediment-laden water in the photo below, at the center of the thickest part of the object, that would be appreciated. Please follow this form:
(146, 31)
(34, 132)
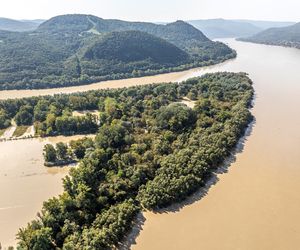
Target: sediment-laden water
(252, 204)
(256, 203)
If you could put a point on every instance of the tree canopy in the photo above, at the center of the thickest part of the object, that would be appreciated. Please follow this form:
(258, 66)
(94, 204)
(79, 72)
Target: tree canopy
(81, 49)
(155, 152)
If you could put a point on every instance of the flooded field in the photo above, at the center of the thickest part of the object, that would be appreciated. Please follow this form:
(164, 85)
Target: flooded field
(25, 183)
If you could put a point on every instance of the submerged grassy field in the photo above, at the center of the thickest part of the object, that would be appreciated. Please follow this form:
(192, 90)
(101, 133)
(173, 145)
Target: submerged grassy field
(20, 130)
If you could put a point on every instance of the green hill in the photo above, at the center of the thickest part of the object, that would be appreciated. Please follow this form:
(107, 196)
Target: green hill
(285, 36)
(130, 51)
(69, 24)
(131, 46)
(179, 33)
(67, 50)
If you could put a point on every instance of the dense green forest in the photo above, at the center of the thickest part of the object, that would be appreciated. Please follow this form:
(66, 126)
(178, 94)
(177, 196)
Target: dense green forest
(150, 151)
(80, 49)
(284, 36)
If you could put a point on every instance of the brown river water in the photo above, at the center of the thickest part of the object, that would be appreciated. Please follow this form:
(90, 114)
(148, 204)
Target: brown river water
(255, 204)
(252, 204)
(25, 183)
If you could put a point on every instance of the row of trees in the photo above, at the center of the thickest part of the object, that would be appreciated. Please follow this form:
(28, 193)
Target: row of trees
(64, 154)
(150, 151)
(67, 125)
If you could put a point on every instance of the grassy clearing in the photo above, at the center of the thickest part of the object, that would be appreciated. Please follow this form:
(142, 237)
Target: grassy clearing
(2, 131)
(20, 130)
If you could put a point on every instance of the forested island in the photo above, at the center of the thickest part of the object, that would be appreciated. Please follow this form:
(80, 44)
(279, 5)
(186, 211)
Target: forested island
(73, 50)
(150, 151)
(283, 36)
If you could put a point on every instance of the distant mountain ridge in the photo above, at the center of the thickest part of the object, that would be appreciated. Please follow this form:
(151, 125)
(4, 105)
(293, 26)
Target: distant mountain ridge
(19, 25)
(225, 28)
(285, 36)
(222, 28)
(266, 24)
(80, 49)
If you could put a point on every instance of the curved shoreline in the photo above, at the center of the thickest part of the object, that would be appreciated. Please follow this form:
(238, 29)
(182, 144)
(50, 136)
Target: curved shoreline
(110, 84)
(269, 43)
(256, 204)
(130, 239)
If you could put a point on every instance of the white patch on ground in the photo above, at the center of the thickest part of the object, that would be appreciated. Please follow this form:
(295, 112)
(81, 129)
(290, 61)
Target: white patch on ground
(84, 112)
(188, 102)
(8, 133)
(94, 31)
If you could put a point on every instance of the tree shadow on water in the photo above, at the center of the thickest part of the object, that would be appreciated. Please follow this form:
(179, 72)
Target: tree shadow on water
(211, 180)
(134, 233)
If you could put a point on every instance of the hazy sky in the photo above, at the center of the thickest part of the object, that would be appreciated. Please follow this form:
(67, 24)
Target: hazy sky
(155, 10)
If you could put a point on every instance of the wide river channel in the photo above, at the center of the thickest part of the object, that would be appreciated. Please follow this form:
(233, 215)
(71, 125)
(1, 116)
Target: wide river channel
(254, 203)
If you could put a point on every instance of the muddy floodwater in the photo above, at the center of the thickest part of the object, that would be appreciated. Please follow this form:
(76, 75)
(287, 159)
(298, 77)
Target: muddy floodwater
(25, 183)
(169, 77)
(253, 204)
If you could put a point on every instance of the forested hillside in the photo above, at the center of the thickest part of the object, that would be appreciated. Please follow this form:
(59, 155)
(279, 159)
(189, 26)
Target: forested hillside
(65, 51)
(150, 151)
(286, 36)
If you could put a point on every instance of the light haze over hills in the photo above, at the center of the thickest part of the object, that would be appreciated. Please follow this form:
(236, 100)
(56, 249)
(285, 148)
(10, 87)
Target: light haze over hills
(220, 28)
(284, 36)
(19, 25)
(155, 10)
(213, 28)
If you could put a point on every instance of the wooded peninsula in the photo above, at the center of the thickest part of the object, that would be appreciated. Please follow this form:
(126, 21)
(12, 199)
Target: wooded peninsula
(150, 151)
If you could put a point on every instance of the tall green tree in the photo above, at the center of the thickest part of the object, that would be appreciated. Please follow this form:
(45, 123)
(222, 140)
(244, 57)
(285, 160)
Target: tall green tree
(50, 153)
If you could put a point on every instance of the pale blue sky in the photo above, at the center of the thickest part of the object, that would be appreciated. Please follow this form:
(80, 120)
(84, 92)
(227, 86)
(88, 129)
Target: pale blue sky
(155, 10)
